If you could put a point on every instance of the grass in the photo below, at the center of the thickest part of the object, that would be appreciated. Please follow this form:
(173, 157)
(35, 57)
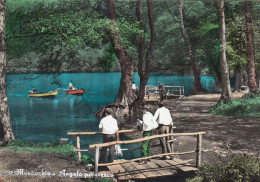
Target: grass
(240, 169)
(46, 147)
(245, 107)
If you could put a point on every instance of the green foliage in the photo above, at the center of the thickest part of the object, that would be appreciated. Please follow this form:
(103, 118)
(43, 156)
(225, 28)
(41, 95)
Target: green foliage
(206, 25)
(240, 169)
(247, 106)
(106, 62)
(85, 160)
(57, 32)
(46, 147)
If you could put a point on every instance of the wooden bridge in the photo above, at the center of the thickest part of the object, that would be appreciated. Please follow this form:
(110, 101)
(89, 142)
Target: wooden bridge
(130, 169)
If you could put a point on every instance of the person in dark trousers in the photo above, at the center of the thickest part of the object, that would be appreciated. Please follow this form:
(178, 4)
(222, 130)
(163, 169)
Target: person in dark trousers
(147, 127)
(161, 91)
(164, 119)
(108, 126)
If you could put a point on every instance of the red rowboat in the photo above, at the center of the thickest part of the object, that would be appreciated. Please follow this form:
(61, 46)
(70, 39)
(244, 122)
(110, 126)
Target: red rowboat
(75, 92)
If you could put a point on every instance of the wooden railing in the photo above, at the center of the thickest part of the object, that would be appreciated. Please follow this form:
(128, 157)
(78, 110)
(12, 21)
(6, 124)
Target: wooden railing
(176, 91)
(77, 135)
(168, 91)
(197, 151)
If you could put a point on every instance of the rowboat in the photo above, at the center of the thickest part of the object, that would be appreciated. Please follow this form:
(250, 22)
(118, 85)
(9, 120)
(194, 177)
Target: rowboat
(46, 94)
(75, 92)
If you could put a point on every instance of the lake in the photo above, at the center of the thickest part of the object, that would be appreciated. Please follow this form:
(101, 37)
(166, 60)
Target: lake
(48, 119)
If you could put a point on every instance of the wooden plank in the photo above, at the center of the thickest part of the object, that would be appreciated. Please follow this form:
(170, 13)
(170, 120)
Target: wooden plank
(198, 153)
(78, 147)
(116, 169)
(144, 139)
(146, 170)
(96, 159)
(163, 172)
(176, 162)
(133, 171)
(187, 168)
(119, 172)
(163, 164)
(183, 165)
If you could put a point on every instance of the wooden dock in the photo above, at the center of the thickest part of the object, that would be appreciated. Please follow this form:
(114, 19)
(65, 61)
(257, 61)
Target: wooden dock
(154, 169)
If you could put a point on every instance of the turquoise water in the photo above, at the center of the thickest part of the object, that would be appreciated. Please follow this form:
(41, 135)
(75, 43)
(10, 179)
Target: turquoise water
(48, 119)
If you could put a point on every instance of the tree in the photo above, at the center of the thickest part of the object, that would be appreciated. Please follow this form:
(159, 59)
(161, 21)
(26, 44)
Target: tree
(124, 96)
(143, 74)
(250, 49)
(226, 90)
(196, 76)
(6, 133)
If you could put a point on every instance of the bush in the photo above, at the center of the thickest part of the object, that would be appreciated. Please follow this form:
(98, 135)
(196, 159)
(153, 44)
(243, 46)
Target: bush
(247, 106)
(241, 169)
(85, 160)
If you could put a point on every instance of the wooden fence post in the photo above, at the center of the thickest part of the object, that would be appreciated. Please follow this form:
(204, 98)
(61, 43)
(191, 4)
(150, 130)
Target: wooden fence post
(96, 159)
(78, 147)
(198, 151)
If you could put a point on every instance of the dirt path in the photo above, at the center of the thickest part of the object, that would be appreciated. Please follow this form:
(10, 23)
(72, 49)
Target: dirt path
(50, 167)
(224, 135)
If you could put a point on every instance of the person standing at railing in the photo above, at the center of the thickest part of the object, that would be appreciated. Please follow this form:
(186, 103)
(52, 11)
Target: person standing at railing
(161, 91)
(148, 124)
(164, 119)
(109, 127)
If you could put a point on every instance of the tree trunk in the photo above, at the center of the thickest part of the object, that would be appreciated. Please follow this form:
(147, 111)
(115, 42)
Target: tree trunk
(250, 49)
(226, 90)
(124, 95)
(196, 76)
(143, 75)
(6, 133)
(258, 79)
(239, 79)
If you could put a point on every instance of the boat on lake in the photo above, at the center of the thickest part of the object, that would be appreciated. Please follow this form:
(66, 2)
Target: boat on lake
(45, 94)
(75, 92)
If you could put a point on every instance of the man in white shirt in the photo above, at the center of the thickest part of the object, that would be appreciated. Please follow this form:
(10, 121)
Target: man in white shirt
(108, 126)
(164, 119)
(147, 126)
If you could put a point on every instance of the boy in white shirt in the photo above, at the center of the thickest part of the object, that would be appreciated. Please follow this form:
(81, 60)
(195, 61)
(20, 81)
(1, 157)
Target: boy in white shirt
(147, 126)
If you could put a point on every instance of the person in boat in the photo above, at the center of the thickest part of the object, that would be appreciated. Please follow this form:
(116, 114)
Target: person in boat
(109, 127)
(148, 124)
(70, 86)
(33, 91)
(164, 120)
